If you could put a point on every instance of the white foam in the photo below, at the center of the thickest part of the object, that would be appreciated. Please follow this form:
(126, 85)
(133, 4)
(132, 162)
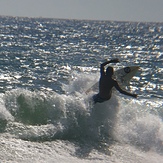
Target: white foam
(139, 125)
(4, 113)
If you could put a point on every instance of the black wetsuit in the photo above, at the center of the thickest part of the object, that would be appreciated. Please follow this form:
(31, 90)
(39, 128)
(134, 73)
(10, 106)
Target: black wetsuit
(106, 84)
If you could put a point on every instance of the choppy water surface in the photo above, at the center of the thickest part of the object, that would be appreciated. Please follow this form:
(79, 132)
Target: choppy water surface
(45, 67)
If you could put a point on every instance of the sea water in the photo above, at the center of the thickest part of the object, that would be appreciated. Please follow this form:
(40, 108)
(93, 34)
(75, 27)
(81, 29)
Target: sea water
(46, 65)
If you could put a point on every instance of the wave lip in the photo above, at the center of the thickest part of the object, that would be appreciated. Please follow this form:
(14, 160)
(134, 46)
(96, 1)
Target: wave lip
(41, 116)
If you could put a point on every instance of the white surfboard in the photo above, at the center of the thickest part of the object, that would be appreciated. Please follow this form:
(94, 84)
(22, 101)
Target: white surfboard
(123, 76)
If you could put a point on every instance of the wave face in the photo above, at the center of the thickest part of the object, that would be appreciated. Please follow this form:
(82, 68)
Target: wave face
(47, 116)
(51, 116)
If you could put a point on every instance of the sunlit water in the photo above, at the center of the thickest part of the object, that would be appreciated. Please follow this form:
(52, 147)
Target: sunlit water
(46, 65)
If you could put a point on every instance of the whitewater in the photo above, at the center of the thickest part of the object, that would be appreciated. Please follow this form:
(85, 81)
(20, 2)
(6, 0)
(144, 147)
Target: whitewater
(45, 114)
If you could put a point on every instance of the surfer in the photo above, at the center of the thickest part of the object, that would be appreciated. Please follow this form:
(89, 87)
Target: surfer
(106, 83)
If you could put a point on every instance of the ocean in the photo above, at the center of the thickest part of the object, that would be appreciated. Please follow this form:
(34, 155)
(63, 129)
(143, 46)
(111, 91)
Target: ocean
(46, 65)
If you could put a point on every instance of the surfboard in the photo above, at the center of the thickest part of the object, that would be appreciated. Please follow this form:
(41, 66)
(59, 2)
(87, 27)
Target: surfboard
(123, 76)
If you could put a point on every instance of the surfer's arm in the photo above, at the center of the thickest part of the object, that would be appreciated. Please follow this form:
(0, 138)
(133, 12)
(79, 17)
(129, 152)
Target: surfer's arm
(123, 91)
(107, 62)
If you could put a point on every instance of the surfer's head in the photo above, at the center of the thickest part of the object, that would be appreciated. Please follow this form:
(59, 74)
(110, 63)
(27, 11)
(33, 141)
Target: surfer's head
(109, 71)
